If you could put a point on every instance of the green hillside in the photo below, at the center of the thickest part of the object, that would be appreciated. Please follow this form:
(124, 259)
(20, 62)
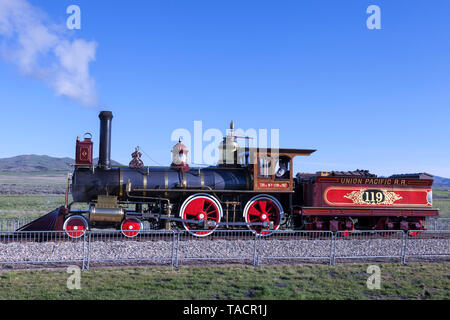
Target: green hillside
(35, 163)
(38, 163)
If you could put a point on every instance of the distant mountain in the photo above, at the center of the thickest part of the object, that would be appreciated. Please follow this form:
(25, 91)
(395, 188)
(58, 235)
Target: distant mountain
(38, 163)
(440, 181)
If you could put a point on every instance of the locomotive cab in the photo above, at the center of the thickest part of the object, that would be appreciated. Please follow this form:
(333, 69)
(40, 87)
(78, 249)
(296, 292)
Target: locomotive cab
(273, 168)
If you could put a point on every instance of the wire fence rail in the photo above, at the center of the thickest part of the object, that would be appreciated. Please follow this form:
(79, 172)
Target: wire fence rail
(170, 247)
(437, 224)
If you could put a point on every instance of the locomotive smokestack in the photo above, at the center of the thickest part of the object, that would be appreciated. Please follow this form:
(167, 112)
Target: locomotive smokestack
(104, 156)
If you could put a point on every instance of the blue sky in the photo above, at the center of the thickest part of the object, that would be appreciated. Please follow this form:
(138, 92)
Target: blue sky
(365, 99)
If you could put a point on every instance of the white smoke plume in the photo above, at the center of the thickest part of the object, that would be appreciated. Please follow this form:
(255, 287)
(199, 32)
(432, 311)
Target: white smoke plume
(47, 51)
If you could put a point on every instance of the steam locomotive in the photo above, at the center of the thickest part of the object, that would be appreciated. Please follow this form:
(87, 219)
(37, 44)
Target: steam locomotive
(249, 188)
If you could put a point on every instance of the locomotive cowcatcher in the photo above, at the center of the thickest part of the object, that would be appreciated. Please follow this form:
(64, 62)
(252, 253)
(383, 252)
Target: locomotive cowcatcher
(249, 188)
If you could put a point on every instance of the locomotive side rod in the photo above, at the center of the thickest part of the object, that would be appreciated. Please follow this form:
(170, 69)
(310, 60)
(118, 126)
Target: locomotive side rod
(207, 223)
(213, 223)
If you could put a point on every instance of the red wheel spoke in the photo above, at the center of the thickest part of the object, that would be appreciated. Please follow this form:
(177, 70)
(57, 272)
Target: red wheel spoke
(262, 205)
(212, 210)
(196, 206)
(209, 206)
(271, 207)
(212, 214)
(253, 211)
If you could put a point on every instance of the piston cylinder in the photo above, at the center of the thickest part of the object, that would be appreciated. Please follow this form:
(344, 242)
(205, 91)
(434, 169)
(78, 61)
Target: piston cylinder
(106, 214)
(106, 210)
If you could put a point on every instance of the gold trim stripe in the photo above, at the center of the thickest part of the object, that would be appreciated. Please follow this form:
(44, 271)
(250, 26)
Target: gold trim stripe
(166, 180)
(202, 179)
(184, 182)
(120, 182)
(144, 177)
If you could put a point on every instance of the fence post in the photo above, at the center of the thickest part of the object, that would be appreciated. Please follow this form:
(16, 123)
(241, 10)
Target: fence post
(333, 249)
(404, 247)
(403, 252)
(256, 250)
(173, 248)
(176, 248)
(84, 251)
(88, 254)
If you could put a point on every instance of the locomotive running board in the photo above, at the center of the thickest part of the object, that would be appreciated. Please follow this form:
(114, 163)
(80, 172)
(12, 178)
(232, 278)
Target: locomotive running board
(51, 221)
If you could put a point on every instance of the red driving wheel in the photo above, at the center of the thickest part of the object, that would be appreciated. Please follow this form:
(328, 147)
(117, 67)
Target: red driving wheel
(131, 227)
(75, 226)
(263, 208)
(201, 207)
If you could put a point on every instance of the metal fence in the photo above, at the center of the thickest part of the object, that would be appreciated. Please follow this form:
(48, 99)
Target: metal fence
(13, 224)
(368, 244)
(242, 246)
(427, 244)
(147, 246)
(222, 245)
(438, 224)
(295, 245)
(42, 247)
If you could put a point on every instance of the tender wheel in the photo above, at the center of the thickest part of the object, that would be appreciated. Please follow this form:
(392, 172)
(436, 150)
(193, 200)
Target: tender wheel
(75, 226)
(263, 208)
(201, 207)
(349, 227)
(131, 227)
(417, 232)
